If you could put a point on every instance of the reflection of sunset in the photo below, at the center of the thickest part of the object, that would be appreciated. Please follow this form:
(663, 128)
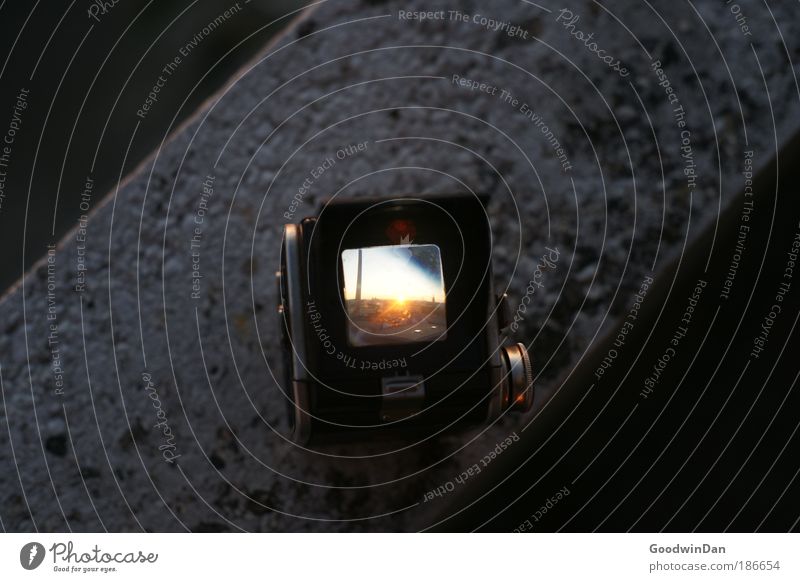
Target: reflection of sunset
(393, 314)
(394, 294)
(392, 272)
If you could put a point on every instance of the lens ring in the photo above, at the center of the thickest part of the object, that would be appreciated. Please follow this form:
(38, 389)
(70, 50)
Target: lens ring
(527, 393)
(520, 377)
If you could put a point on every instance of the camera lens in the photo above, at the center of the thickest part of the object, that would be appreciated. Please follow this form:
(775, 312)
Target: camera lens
(518, 374)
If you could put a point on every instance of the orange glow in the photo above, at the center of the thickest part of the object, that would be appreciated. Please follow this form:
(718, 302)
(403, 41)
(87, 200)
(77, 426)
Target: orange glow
(395, 273)
(394, 294)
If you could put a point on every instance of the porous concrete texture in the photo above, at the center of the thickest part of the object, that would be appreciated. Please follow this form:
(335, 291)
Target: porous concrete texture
(617, 205)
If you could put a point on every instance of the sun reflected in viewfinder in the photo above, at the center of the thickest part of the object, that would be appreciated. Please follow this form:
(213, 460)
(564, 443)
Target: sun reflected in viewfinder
(394, 294)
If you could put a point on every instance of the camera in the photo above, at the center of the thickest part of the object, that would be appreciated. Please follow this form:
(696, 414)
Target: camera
(391, 327)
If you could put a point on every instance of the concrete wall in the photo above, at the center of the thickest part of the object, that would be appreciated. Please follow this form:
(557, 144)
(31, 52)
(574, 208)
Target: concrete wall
(616, 205)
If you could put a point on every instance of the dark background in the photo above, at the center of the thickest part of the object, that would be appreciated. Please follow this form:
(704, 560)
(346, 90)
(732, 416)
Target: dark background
(83, 103)
(714, 448)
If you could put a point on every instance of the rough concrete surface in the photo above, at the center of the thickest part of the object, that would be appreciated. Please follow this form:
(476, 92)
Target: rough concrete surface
(617, 205)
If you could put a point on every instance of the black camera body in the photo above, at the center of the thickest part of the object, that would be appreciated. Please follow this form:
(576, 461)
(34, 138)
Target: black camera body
(390, 323)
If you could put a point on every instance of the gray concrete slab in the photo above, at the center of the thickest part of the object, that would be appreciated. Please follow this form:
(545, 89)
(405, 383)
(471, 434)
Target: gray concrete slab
(92, 360)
